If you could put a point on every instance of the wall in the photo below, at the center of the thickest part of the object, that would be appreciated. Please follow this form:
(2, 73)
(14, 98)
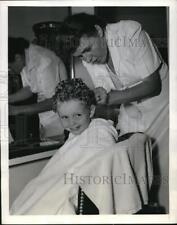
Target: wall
(21, 19)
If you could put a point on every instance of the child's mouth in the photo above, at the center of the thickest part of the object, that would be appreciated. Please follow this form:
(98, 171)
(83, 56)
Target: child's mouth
(75, 129)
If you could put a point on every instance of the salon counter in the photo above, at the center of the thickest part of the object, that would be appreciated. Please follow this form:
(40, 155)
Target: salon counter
(22, 153)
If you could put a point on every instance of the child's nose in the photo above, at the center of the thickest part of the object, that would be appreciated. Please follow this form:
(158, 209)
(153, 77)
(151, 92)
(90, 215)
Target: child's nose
(71, 122)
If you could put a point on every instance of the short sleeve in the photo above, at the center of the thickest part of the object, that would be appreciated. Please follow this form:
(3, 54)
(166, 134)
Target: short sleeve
(41, 72)
(144, 52)
(133, 53)
(49, 76)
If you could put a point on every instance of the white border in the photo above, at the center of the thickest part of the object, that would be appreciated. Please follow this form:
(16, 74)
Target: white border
(106, 219)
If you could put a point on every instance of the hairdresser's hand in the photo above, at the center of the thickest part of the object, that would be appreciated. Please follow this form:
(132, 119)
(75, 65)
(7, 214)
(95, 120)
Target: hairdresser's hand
(101, 95)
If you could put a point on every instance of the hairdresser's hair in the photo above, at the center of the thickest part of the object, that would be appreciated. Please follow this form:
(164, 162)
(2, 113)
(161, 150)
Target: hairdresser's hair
(74, 89)
(77, 25)
(16, 46)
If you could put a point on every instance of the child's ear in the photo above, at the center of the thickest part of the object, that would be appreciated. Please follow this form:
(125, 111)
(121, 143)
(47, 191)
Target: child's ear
(92, 110)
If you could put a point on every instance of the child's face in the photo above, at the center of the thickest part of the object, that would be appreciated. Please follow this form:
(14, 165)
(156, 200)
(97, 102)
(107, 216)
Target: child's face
(75, 115)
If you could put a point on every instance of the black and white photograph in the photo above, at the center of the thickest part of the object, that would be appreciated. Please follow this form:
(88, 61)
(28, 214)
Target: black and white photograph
(87, 131)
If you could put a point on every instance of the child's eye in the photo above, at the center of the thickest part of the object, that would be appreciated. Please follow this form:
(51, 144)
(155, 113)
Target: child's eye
(78, 115)
(64, 117)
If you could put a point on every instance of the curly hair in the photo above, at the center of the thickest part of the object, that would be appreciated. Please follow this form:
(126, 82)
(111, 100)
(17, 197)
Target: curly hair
(73, 89)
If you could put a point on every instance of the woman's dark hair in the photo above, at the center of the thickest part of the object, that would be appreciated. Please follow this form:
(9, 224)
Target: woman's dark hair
(16, 46)
(73, 89)
(77, 25)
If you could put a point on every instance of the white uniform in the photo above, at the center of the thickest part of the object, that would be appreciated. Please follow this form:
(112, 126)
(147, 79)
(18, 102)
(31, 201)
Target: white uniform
(41, 74)
(134, 58)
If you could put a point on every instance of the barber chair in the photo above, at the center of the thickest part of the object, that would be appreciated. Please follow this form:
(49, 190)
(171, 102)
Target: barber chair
(87, 207)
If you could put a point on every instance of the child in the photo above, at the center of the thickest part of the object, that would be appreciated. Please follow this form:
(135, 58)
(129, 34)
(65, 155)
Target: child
(75, 105)
(55, 190)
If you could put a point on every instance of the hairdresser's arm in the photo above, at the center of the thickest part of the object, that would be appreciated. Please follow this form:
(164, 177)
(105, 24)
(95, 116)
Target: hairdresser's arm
(39, 107)
(149, 87)
(22, 94)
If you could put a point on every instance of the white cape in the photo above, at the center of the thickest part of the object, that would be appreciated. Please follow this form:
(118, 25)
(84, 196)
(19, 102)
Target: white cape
(115, 176)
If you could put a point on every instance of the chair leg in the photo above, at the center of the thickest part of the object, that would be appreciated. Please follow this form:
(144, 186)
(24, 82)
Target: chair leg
(152, 209)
